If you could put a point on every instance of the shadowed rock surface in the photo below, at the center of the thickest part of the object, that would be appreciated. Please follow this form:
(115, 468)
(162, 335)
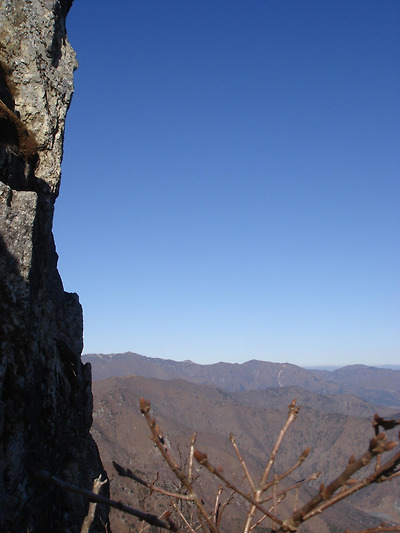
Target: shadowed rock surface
(45, 390)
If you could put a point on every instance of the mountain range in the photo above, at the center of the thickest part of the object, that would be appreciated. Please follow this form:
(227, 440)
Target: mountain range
(380, 386)
(334, 422)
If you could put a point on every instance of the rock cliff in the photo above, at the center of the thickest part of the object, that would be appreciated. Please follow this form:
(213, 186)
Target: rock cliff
(45, 390)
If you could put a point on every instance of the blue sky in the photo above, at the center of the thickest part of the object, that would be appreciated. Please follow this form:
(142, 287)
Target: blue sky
(230, 186)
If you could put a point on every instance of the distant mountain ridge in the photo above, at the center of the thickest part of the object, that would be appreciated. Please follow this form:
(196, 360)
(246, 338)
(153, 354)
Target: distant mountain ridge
(380, 386)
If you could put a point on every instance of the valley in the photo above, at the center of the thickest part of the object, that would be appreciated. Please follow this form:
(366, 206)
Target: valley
(334, 425)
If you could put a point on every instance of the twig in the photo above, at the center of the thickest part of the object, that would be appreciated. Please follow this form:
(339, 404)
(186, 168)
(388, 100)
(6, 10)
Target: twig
(264, 517)
(298, 463)
(192, 443)
(325, 497)
(378, 422)
(217, 505)
(182, 516)
(232, 438)
(292, 415)
(296, 485)
(155, 430)
(293, 412)
(98, 498)
(296, 499)
(376, 477)
(274, 497)
(201, 458)
(223, 506)
(97, 484)
(126, 472)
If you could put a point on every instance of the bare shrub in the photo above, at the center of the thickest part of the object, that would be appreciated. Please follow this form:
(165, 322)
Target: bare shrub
(188, 510)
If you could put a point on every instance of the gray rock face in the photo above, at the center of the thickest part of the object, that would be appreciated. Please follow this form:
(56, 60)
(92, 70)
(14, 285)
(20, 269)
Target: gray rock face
(45, 390)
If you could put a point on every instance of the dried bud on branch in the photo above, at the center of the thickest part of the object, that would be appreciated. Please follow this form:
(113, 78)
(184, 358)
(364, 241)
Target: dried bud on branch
(200, 457)
(293, 408)
(304, 454)
(377, 422)
(377, 444)
(144, 405)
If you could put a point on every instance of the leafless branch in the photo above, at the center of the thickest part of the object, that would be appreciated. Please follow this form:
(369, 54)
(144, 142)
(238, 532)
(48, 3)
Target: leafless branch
(217, 505)
(209, 522)
(296, 485)
(126, 472)
(155, 430)
(98, 498)
(97, 484)
(242, 462)
(326, 496)
(299, 462)
(224, 506)
(201, 458)
(191, 530)
(192, 443)
(292, 415)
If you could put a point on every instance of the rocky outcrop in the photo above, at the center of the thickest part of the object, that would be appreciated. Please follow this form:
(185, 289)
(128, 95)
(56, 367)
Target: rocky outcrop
(45, 390)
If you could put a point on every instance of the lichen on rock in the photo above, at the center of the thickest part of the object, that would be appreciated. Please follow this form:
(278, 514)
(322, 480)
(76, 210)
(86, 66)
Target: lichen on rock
(45, 390)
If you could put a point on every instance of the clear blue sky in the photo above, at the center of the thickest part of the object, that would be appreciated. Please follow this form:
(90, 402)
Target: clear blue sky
(231, 184)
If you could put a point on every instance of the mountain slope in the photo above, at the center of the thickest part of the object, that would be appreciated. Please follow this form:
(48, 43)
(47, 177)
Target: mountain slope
(182, 408)
(378, 385)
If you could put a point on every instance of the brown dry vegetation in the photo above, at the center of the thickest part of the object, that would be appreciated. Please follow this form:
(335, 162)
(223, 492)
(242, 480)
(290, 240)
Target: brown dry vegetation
(181, 408)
